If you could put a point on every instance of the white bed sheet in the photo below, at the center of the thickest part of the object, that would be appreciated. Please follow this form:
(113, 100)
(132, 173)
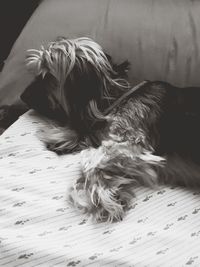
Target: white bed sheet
(39, 228)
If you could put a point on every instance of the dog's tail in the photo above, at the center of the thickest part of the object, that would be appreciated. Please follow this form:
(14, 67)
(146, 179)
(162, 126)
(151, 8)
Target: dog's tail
(179, 171)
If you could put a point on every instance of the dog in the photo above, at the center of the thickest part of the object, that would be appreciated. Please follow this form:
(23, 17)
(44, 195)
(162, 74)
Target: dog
(126, 136)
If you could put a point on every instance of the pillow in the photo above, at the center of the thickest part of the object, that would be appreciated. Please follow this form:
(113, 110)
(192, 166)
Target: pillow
(159, 38)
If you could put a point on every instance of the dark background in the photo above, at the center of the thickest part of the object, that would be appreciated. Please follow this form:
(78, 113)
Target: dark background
(13, 16)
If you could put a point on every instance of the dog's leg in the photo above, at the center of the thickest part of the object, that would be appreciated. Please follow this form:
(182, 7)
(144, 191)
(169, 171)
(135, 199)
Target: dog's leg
(110, 174)
(62, 140)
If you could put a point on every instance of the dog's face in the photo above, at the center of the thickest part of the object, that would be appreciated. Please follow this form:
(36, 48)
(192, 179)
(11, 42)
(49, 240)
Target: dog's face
(75, 81)
(70, 75)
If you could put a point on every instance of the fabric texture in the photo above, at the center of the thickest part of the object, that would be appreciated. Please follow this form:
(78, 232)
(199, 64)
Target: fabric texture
(38, 227)
(161, 39)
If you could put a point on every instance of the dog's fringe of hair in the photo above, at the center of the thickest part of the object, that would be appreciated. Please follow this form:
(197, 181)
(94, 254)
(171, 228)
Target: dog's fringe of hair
(60, 57)
(110, 174)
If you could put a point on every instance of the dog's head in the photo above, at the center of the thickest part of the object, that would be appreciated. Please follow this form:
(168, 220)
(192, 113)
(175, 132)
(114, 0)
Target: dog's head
(75, 80)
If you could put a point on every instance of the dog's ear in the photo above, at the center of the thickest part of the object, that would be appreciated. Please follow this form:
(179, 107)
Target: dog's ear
(37, 96)
(98, 201)
(120, 70)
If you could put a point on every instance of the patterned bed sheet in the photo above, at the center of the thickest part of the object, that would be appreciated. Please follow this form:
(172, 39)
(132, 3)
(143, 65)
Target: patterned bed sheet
(39, 228)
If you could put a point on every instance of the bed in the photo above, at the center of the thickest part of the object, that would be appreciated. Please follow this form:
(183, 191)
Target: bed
(38, 226)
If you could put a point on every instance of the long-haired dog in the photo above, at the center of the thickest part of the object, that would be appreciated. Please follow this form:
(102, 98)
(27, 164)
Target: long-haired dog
(127, 137)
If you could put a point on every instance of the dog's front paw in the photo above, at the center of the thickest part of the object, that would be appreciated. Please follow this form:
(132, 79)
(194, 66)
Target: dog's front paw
(101, 192)
(61, 140)
(99, 200)
(62, 148)
(57, 148)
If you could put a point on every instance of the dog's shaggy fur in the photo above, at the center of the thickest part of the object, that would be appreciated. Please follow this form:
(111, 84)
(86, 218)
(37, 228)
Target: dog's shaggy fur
(151, 136)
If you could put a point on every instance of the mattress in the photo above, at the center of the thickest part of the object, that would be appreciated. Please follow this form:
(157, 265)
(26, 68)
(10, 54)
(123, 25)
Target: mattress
(38, 227)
